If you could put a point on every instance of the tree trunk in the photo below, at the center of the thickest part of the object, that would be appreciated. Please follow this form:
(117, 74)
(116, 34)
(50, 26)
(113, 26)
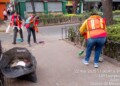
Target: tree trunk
(75, 4)
(107, 11)
(33, 6)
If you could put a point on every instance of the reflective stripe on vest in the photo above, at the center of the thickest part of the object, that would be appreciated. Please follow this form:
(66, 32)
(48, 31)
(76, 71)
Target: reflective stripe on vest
(92, 24)
(95, 23)
(102, 23)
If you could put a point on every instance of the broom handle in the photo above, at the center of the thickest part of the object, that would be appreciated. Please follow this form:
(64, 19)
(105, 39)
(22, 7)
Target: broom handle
(83, 44)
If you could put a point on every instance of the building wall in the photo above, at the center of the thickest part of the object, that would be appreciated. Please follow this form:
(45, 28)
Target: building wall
(25, 7)
(54, 6)
(90, 5)
(39, 6)
(3, 1)
(2, 7)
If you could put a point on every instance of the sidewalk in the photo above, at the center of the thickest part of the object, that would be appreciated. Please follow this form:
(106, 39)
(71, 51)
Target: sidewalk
(4, 25)
(58, 64)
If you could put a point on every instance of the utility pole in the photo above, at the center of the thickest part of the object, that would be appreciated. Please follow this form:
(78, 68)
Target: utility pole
(33, 6)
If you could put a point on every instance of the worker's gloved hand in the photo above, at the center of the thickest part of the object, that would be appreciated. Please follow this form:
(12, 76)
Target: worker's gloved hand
(84, 34)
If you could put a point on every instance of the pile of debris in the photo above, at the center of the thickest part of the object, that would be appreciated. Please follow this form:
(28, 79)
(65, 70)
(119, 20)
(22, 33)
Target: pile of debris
(1, 75)
(18, 63)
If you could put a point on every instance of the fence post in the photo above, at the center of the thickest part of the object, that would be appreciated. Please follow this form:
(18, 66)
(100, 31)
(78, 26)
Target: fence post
(64, 7)
(75, 30)
(65, 33)
(46, 7)
(62, 32)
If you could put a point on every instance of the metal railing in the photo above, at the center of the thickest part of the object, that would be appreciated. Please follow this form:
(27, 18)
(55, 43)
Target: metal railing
(71, 33)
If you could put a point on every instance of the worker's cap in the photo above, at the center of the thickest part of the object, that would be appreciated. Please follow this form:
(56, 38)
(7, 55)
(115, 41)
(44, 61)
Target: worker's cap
(94, 13)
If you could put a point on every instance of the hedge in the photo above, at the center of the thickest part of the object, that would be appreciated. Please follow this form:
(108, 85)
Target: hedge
(112, 46)
(117, 19)
(116, 12)
(48, 19)
(114, 32)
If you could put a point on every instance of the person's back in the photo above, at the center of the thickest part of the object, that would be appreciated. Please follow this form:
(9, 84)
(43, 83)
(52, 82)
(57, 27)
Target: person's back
(94, 26)
(29, 22)
(95, 29)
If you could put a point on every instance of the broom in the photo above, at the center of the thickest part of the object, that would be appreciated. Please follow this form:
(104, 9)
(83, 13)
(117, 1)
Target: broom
(82, 48)
(18, 39)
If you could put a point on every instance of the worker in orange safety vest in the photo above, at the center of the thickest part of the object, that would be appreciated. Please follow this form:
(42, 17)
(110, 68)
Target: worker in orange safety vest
(95, 29)
(16, 23)
(31, 26)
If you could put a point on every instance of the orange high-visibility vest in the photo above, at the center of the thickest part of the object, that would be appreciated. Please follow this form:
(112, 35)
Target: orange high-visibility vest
(95, 26)
(95, 23)
(19, 22)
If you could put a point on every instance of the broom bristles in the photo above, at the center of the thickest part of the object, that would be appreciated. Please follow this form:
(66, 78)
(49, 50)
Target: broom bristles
(81, 52)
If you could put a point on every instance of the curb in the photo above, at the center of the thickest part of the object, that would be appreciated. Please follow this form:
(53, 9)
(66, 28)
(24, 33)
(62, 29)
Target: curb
(57, 24)
(113, 61)
(2, 30)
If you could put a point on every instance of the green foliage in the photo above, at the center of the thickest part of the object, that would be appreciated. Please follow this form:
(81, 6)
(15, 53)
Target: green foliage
(50, 16)
(42, 16)
(115, 38)
(116, 12)
(114, 32)
(71, 34)
(117, 19)
(83, 15)
(61, 18)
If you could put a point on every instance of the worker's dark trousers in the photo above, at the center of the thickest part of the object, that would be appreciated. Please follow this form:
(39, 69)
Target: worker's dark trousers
(31, 30)
(15, 34)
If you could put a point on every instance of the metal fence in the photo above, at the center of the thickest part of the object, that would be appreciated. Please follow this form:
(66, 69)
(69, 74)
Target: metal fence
(71, 33)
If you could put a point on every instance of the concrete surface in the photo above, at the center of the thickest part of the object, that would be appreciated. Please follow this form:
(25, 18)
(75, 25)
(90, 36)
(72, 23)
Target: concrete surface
(58, 63)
